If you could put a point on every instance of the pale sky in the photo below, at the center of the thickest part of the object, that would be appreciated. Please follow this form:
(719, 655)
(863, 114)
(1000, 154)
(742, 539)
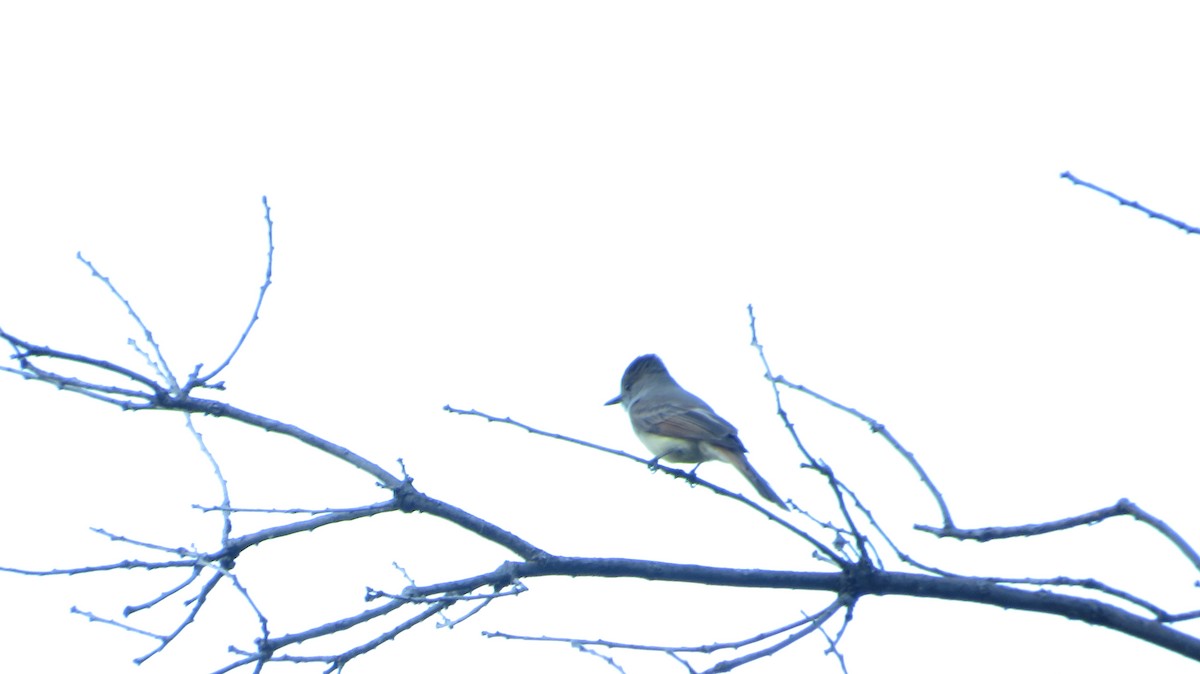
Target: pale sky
(498, 205)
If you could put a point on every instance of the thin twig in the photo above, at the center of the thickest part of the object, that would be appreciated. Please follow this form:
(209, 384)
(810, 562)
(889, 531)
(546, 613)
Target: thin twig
(860, 541)
(227, 520)
(1121, 507)
(879, 428)
(1132, 204)
(25, 350)
(262, 293)
(689, 477)
(159, 362)
(704, 648)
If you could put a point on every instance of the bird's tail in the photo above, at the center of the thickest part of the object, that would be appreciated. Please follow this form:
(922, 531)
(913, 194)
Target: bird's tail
(739, 461)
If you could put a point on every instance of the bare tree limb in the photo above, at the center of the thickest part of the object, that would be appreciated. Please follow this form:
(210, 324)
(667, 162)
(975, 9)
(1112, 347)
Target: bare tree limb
(1123, 507)
(196, 379)
(1154, 215)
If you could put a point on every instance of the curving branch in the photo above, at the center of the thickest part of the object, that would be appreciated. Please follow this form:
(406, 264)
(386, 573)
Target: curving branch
(196, 378)
(1122, 508)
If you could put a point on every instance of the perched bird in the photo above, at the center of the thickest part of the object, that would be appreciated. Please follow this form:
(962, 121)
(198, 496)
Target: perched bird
(677, 426)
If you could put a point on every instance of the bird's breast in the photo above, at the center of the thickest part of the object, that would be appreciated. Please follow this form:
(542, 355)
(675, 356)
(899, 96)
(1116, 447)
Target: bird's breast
(672, 450)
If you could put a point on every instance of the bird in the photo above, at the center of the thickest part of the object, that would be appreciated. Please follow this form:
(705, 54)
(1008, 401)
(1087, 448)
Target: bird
(679, 427)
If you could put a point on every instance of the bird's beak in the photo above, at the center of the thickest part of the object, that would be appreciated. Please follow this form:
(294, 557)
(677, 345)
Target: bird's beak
(614, 401)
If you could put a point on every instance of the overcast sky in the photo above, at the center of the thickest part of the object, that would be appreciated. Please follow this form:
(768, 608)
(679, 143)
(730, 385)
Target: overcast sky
(499, 205)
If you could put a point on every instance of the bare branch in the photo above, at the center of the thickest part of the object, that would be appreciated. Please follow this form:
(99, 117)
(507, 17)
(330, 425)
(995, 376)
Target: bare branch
(729, 665)
(196, 380)
(197, 603)
(216, 408)
(166, 594)
(1121, 507)
(1132, 204)
(106, 621)
(227, 521)
(705, 648)
(882, 430)
(126, 564)
(25, 350)
(874, 425)
(860, 541)
(688, 476)
(611, 662)
(158, 362)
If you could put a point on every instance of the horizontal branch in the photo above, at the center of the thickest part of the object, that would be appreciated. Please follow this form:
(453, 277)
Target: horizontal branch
(854, 584)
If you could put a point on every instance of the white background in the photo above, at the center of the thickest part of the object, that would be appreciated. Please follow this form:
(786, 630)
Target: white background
(499, 205)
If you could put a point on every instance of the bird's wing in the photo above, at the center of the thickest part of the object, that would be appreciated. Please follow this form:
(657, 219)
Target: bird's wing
(690, 423)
